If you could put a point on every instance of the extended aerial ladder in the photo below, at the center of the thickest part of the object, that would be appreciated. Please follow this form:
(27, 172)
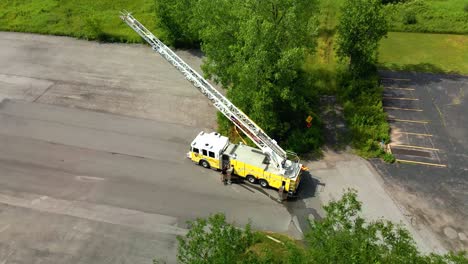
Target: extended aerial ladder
(278, 156)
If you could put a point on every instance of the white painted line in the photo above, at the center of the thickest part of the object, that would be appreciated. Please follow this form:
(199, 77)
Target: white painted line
(421, 163)
(400, 98)
(403, 109)
(88, 178)
(398, 88)
(396, 79)
(415, 147)
(414, 134)
(409, 121)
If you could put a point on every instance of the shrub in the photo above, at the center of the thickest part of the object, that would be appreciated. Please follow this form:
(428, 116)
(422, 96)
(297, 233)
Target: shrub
(213, 240)
(305, 140)
(94, 30)
(387, 157)
(175, 22)
(409, 18)
(362, 100)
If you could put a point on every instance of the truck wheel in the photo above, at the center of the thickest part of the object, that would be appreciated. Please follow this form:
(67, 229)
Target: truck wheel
(263, 183)
(251, 179)
(205, 164)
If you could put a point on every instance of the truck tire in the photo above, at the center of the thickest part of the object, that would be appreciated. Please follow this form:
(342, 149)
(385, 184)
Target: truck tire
(251, 179)
(263, 183)
(205, 164)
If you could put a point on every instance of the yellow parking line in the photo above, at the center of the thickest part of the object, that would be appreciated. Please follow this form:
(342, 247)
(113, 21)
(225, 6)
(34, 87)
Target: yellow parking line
(416, 147)
(416, 134)
(422, 163)
(396, 79)
(401, 98)
(409, 121)
(404, 109)
(398, 88)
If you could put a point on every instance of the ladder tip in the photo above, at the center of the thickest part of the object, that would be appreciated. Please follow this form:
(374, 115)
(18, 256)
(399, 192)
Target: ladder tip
(125, 12)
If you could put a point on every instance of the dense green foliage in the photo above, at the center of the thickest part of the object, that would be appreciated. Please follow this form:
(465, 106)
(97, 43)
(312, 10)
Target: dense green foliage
(342, 236)
(361, 26)
(175, 20)
(87, 19)
(256, 50)
(214, 241)
(364, 114)
(434, 16)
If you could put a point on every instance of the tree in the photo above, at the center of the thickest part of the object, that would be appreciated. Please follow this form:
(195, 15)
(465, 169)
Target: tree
(361, 26)
(343, 236)
(174, 20)
(213, 240)
(256, 49)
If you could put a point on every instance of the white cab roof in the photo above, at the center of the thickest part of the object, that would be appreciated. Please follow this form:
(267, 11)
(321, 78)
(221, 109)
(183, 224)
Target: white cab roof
(210, 141)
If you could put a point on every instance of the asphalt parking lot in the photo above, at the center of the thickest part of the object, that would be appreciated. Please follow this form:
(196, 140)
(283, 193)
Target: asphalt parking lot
(93, 140)
(429, 138)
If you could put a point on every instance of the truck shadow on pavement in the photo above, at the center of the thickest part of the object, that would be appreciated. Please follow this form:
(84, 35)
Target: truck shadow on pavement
(299, 210)
(298, 206)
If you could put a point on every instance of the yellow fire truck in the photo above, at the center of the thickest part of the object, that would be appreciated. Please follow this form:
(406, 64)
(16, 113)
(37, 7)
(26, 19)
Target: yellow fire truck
(270, 165)
(212, 150)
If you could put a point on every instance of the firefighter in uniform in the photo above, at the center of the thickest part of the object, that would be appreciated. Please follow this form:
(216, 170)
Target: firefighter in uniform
(224, 175)
(281, 193)
(229, 173)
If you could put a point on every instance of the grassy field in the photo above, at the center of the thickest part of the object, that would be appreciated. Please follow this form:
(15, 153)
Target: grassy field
(323, 63)
(425, 52)
(87, 19)
(436, 16)
(99, 20)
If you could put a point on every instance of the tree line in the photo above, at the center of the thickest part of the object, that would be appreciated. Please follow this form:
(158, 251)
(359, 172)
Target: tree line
(257, 51)
(342, 236)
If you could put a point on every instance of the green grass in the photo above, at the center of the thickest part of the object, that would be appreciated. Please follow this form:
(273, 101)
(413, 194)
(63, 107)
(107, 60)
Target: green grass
(321, 65)
(87, 19)
(436, 16)
(267, 249)
(425, 52)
